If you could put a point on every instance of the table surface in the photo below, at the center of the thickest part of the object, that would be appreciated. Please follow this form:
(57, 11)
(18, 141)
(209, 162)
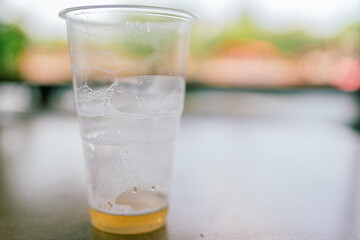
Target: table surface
(242, 176)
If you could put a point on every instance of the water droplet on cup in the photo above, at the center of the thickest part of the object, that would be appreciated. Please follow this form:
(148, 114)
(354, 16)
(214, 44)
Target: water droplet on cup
(152, 188)
(134, 190)
(91, 146)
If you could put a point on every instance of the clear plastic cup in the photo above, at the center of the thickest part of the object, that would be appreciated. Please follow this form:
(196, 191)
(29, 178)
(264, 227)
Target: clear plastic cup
(129, 65)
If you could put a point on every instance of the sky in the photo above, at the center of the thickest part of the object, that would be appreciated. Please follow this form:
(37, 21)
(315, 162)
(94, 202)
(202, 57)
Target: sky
(39, 18)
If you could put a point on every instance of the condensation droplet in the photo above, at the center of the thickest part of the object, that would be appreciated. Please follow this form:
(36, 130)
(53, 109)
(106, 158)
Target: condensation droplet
(119, 133)
(91, 146)
(134, 190)
(152, 188)
(109, 203)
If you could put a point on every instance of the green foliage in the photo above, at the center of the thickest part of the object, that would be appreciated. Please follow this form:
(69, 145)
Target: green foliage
(294, 41)
(12, 43)
(142, 43)
(245, 29)
(352, 28)
(144, 33)
(139, 45)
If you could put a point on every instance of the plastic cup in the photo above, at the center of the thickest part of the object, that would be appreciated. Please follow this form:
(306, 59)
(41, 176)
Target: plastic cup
(129, 66)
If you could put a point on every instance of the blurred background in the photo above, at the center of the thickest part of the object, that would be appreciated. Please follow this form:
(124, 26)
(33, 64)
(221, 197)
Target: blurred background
(282, 76)
(237, 45)
(253, 46)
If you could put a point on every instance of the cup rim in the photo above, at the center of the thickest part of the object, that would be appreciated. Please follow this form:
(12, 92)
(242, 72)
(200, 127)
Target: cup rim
(163, 11)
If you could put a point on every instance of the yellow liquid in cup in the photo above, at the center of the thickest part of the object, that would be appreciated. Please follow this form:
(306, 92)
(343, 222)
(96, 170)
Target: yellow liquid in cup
(130, 224)
(134, 223)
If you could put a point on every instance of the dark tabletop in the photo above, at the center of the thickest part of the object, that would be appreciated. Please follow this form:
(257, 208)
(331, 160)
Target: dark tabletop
(236, 175)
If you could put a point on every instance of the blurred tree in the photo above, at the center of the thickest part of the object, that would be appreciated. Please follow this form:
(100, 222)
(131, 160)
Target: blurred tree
(288, 43)
(349, 40)
(12, 43)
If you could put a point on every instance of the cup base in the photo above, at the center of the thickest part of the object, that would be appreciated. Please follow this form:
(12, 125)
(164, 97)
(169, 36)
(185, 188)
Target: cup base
(128, 224)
